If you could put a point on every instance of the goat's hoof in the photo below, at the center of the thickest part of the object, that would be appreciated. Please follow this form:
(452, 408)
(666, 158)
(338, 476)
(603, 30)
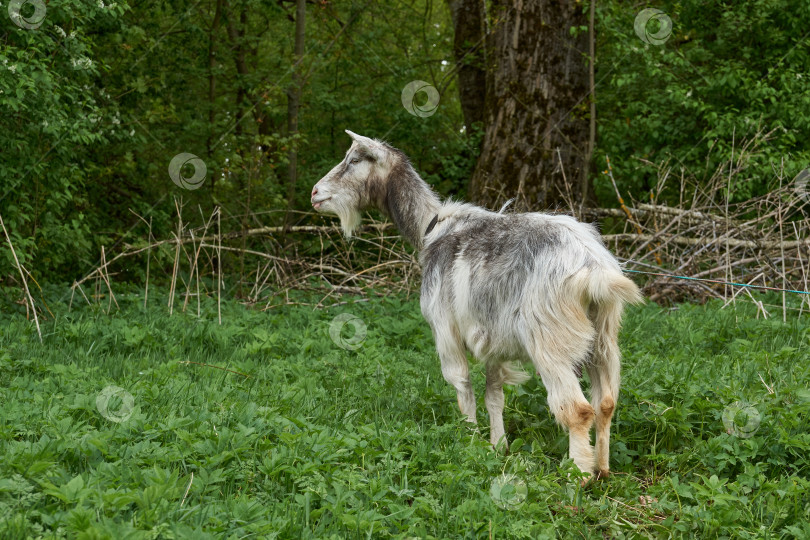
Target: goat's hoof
(501, 447)
(586, 480)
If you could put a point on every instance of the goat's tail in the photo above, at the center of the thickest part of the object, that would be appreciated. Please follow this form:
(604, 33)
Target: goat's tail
(607, 287)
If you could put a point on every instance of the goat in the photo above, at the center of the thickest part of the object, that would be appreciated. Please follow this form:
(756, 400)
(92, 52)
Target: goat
(535, 288)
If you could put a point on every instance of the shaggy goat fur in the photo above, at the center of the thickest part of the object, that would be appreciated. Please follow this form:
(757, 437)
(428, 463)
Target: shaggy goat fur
(534, 288)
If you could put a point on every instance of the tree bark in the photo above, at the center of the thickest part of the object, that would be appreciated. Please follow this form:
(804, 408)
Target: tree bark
(237, 35)
(469, 49)
(537, 86)
(586, 189)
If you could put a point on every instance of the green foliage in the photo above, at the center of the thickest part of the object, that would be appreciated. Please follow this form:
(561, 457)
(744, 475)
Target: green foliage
(302, 438)
(53, 114)
(726, 71)
(98, 100)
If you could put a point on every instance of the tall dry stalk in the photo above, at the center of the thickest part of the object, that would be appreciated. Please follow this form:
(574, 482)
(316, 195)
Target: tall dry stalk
(175, 267)
(219, 265)
(22, 277)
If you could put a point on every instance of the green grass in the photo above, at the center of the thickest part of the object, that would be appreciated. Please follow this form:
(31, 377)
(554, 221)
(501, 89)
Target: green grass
(316, 441)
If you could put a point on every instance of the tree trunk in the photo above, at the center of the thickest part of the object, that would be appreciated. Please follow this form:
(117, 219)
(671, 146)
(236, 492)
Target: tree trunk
(469, 48)
(586, 189)
(294, 99)
(237, 35)
(536, 103)
(212, 62)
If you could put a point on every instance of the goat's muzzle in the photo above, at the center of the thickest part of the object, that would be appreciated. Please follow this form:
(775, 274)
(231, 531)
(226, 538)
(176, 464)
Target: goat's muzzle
(316, 200)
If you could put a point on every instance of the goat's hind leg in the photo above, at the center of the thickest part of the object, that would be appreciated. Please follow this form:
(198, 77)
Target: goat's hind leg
(605, 379)
(603, 402)
(565, 398)
(572, 410)
(455, 368)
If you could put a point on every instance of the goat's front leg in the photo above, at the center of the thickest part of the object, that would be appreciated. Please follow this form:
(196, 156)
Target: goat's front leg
(456, 371)
(494, 400)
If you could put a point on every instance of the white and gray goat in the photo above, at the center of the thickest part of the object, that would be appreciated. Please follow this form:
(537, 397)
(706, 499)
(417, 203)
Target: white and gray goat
(530, 287)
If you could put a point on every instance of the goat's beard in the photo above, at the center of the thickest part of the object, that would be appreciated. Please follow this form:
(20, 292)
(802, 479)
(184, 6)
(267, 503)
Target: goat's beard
(349, 216)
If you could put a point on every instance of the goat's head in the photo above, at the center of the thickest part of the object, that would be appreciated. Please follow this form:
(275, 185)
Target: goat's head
(350, 186)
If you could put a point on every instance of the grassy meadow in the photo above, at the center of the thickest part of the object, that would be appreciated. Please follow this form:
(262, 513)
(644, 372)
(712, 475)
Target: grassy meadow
(137, 424)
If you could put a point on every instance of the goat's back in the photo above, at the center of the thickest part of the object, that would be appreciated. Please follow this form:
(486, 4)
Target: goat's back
(493, 272)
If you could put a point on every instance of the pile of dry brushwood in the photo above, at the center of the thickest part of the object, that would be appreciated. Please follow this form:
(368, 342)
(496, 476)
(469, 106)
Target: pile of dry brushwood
(763, 241)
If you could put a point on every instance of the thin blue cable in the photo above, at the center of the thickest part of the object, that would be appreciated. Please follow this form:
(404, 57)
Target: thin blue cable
(718, 281)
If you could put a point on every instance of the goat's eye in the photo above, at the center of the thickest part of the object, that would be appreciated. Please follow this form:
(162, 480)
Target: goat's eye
(355, 160)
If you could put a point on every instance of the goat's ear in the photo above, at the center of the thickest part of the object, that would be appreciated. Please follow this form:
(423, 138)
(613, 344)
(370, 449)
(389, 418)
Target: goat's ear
(372, 147)
(365, 141)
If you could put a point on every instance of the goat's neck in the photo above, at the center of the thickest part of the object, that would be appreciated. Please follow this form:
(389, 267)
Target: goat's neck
(410, 203)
